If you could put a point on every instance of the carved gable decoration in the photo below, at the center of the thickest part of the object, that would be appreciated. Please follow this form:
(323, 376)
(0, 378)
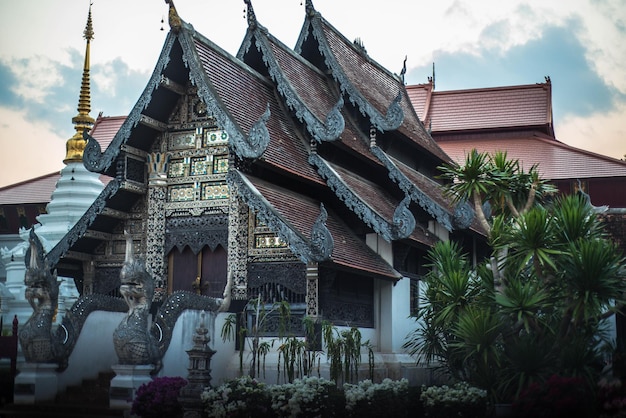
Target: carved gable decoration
(196, 232)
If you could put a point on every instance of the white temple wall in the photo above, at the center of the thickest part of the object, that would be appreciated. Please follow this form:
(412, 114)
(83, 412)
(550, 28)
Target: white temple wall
(176, 360)
(94, 351)
(392, 303)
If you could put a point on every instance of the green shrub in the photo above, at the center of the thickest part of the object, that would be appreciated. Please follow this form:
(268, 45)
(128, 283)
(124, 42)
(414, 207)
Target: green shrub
(459, 400)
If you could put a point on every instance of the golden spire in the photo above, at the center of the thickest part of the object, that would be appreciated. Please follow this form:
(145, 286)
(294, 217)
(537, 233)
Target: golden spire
(82, 121)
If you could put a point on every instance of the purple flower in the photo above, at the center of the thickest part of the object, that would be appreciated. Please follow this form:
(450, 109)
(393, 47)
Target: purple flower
(158, 397)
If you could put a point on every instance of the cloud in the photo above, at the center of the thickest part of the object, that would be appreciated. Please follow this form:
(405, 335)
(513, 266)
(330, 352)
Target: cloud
(7, 96)
(602, 133)
(604, 33)
(117, 87)
(35, 76)
(52, 96)
(20, 136)
(577, 88)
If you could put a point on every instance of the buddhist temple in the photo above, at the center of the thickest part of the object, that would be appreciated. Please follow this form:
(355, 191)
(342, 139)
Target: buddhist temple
(303, 175)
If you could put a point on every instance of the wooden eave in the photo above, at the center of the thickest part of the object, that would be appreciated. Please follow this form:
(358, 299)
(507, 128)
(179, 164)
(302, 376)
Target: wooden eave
(370, 202)
(302, 86)
(292, 216)
(369, 86)
(243, 96)
(147, 118)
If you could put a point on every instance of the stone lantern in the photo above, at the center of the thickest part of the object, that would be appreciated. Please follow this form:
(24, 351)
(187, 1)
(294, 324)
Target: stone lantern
(199, 376)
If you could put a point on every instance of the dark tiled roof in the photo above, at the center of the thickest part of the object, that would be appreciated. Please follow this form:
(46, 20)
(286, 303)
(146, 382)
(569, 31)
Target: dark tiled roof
(301, 212)
(433, 190)
(313, 89)
(378, 86)
(427, 185)
(245, 94)
(374, 195)
(375, 83)
(309, 84)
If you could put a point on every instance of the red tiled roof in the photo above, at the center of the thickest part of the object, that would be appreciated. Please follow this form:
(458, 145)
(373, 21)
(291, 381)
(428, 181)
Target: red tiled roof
(419, 95)
(246, 94)
(555, 159)
(105, 128)
(487, 108)
(301, 212)
(39, 190)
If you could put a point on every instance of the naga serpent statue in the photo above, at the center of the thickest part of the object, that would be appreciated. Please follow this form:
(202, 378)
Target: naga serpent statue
(42, 292)
(137, 340)
(40, 343)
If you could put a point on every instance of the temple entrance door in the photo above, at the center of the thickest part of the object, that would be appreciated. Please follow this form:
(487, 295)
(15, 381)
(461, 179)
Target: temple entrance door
(203, 273)
(214, 271)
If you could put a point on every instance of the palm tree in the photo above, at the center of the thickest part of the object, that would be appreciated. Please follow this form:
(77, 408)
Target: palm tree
(562, 277)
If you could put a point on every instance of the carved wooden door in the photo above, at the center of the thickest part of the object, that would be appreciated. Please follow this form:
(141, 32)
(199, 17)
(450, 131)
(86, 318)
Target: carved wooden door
(203, 273)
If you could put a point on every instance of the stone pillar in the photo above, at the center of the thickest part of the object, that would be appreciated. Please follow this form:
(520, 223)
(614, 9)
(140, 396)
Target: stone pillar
(237, 243)
(155, 233)
(312, 290)
(199, 375)
(124, 385)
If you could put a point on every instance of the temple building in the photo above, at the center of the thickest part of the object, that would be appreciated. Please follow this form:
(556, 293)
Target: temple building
(305, 175)
(301, 175)
(518, 120)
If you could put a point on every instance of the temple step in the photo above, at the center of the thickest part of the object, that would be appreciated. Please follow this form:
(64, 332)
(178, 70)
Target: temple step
(90, 392)
(89, 399)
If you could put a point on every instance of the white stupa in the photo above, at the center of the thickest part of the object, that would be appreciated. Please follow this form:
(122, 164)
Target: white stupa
(75, 191)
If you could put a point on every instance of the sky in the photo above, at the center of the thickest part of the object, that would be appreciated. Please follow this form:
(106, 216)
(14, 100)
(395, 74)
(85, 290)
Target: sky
(579, 44)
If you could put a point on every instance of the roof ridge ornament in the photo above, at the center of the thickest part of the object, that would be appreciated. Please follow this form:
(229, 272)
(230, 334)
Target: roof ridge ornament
(395, 114)
(173, 18)
(322, 242)
(403, 219)
(250, 15)
(403, 71)
(334, 124)
(254, 145)
(310, 9)
(75, 146)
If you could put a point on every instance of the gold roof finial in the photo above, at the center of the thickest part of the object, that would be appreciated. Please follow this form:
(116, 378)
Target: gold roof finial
(173, 18)
(82, 121)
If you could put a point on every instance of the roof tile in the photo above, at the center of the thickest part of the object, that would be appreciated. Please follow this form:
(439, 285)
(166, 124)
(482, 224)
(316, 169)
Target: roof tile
(555, 159)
